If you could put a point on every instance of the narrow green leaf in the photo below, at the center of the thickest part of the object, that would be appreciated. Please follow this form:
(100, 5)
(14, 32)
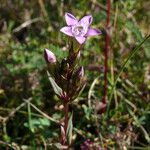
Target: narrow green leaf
(69, 129)
(56, 88)
(29, 118)
(57, 146)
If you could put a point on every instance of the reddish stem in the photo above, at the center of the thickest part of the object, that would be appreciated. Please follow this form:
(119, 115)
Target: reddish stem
(64, 136)
(106, 51)
(66, 118)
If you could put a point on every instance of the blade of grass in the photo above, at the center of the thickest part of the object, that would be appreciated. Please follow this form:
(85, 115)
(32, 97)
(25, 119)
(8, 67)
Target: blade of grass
(107, 39)
(121, 70)
(30, 123)
(29, 117)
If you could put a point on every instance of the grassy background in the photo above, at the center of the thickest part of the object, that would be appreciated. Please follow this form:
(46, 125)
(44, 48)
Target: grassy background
(23, 74)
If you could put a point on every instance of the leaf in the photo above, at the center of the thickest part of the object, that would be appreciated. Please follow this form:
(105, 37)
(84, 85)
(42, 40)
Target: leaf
(69, 129)
(38, 123)
(138, 35)
(63, 137)
(29, 118)
(56, 88)
(87, 111)
(57, 146)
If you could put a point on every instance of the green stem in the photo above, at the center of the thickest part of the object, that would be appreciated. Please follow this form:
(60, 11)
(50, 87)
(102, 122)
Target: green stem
(29, 117)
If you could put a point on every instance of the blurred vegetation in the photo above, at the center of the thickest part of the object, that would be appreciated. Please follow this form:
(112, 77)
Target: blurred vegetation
(26, 28)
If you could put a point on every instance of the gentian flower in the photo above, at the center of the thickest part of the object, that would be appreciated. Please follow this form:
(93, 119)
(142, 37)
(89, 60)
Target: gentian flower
(80, 30)
(49, 56)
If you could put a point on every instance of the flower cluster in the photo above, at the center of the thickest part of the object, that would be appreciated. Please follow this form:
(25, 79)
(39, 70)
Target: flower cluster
(67, 74)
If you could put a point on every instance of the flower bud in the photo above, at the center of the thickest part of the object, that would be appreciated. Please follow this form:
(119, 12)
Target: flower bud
(81, 72)
(49, 56)
(78, 55)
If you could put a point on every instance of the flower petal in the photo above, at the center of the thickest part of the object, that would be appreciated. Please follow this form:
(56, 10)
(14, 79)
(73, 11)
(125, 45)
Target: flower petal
(66, 30)
(86, 20)
(70, 19)
(93, 32)
(80, 39)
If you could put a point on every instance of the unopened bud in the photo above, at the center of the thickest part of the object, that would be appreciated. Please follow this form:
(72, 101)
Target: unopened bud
(79, 54)
(81, 72)
(49, 56)
(100, 107)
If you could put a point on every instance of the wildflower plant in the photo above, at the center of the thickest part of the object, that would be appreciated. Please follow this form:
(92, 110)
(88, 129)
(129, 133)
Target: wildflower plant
(67, 77)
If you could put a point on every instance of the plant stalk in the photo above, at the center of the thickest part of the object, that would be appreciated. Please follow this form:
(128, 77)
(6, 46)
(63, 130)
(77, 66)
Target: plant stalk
(106, 51)
(66, 119)
(65, 126)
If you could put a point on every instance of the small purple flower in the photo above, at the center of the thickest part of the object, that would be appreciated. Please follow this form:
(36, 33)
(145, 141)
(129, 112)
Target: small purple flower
(49, 56)
(86, 145)
(89, 145)
(79, 29)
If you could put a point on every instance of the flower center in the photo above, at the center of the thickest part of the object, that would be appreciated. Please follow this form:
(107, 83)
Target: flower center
(79, 30)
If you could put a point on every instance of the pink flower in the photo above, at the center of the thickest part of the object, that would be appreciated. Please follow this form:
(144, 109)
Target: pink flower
(49, 56)
(89, 145)
(79, 29)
